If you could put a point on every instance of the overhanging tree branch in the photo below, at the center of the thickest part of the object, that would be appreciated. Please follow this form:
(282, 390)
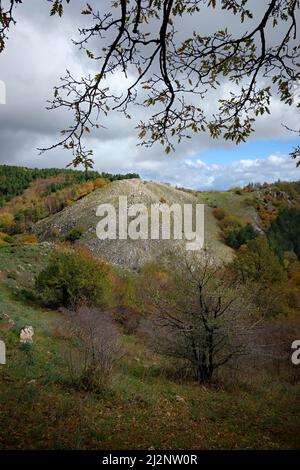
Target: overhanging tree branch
(173, 76)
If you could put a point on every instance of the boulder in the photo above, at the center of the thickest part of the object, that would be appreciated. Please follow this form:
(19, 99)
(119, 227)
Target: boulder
(26, 335)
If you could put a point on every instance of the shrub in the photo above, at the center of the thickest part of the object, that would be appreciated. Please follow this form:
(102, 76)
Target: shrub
(162, 200)
(28, 239)
(26, 295)
(235, 231)
(237, 237)
(100, 182)
(74, 276)
(230, 222)
(98, 348)
(54, 232)
(6, 238)
(74, 234)
(236, 190)
(128, 312)
(220, 213)
(27, 347)
(6, 221)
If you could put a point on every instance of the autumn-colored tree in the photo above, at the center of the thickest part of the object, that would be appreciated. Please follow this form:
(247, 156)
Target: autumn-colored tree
(256, 261)
(195, 313)
(73, 276)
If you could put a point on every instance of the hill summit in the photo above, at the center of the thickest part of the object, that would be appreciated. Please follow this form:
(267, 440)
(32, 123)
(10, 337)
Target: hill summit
(128, 253)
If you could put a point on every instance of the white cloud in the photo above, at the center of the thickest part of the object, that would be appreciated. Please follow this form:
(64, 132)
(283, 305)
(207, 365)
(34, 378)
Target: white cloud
(37, 53)
(248, 163)
(276, 160)
(237, 173)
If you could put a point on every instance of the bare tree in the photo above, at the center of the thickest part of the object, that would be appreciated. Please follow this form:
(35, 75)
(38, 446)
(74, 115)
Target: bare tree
(98, 347)
(163, 71)
(198, 315)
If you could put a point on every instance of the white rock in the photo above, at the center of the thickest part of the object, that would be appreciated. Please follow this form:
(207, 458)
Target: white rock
(179, 398)
(26, 334)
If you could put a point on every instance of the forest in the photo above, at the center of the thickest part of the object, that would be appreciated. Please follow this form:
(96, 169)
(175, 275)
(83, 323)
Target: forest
(15, 179)
(28, 195)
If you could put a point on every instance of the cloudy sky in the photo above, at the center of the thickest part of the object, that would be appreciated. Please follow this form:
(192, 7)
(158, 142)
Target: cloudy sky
(37, 54)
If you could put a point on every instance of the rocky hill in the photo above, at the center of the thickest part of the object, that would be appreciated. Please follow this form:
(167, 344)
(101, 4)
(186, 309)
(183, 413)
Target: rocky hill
(134, 253)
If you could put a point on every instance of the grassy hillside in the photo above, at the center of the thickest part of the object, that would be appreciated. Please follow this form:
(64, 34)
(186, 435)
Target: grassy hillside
(145, 405)
(237, 204)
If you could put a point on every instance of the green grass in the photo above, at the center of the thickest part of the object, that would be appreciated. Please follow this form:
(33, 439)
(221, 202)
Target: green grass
(237, 204)
(20, 263)
(142, 407)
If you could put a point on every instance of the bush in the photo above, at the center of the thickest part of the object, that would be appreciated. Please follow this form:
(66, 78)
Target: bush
(128, 312)
(28, 239)
(230, 222)
(236, 190)
(6, 238)
(237, 237)
(6, 221)
(26, 295)
(98, 348)
(100, 182)
(74, 234)
(74, 276)
(220, 213)
(162, 200)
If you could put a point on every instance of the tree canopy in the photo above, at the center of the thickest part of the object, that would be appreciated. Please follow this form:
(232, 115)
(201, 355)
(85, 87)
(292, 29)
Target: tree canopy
(171, 71)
